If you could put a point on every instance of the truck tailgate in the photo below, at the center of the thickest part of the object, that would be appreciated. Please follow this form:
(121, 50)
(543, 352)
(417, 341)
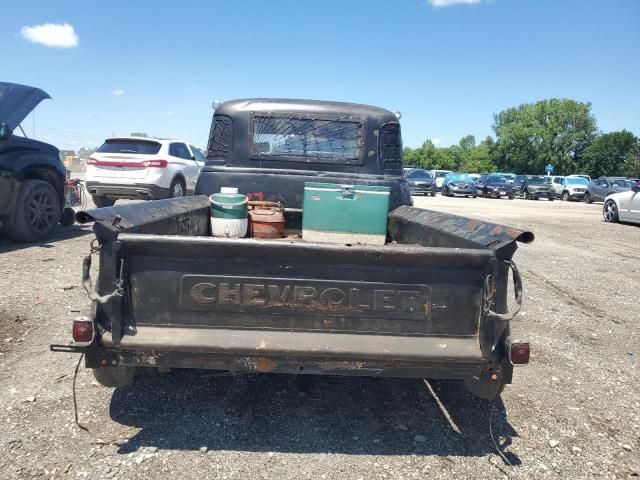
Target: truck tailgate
(203, 282)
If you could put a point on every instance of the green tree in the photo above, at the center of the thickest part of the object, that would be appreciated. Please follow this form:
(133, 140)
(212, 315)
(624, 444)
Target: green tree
(468, 142)
(555, 131)
(86, 152)
(611, 154)
(633, 161)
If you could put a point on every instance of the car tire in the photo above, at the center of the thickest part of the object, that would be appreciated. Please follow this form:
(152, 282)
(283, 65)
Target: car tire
(114, 377)
(610, 212)
(37, 212)
(178, 188)
(475, 195)
(68, 217)
(587, 198)
(433, 193)
(102, 202)
(565, 196)
(511, 197)
(551, 199)
(525, 195)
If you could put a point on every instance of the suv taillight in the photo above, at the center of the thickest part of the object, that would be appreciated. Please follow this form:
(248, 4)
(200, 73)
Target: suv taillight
(155, 163)
(83, 331)
(91, 161)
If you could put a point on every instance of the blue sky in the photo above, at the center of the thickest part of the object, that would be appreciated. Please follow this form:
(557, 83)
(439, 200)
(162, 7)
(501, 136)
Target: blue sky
(155, 67)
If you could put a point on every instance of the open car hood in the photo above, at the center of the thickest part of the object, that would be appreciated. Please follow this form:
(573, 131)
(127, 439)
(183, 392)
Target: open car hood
(17, 101)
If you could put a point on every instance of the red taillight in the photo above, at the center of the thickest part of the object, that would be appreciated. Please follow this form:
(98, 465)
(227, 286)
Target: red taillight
(83, 330)
(155, 163)
(519, 353)
(114, 163)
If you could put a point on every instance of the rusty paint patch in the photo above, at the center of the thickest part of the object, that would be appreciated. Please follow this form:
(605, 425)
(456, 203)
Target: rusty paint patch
(258, 364)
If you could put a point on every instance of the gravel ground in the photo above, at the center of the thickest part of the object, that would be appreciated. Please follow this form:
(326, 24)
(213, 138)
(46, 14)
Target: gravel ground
(573, 413)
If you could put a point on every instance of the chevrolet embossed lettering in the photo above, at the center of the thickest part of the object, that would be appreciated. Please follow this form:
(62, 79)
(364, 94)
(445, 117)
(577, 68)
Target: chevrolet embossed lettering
(333, 298)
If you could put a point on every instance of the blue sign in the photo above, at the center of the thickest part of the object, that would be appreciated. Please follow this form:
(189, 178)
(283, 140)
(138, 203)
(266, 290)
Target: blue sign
(548, 168)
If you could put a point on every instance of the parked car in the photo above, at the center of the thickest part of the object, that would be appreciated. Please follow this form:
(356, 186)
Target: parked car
(587, 177)
(496, 186)
(518, 182)
(511, 177)
(420, 306)
(32, 175)
(635, 180)
(533, 188)
(140, 167)
(459, 184)
(480, 182)
(597, 190)
(439, 176)
(421, 182)
(571, 188)
(623, 206)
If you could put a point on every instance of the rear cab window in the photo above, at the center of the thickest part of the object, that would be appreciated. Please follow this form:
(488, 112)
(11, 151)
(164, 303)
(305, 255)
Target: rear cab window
(306, 138)
(128, 146)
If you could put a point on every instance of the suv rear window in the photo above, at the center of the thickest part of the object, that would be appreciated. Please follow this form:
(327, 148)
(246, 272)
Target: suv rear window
(306, 138)
(140, 147)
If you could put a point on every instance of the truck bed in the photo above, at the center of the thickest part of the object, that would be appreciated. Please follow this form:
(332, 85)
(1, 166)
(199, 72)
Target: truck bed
(431, 302)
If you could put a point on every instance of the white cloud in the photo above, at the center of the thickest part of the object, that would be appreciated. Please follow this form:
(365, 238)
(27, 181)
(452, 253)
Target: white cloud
(118, 92)
(51, 35)
(450, 3)
(436, 141)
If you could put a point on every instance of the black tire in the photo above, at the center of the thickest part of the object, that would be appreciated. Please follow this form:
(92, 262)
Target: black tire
(474, 195)
(565, 196)
(551, 199)
(610, 212)
(587, 198)
(68, 217)
(484, 389)
(511, 197)
(37, 212)
(433, 193)
(178, 188)
(525, 195)
(101, 202)
(114, 377)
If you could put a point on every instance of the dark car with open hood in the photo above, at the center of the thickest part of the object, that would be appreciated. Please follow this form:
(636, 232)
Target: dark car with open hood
(32, 176)
(459, 184)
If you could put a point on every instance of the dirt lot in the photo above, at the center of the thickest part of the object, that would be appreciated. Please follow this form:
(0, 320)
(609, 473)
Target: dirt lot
(573, 413)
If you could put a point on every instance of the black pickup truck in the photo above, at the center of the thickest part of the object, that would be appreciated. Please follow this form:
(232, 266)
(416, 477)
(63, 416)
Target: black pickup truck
(430, 303)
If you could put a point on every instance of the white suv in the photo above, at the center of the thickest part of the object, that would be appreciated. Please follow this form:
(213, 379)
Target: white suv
(143, 168)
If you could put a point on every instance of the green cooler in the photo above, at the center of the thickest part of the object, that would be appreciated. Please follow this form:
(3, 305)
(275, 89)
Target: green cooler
(346, 214)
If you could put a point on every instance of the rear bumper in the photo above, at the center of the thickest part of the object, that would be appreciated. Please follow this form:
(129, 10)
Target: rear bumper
(293, 352)
(142, 190)
(543, 194)
(576, 195)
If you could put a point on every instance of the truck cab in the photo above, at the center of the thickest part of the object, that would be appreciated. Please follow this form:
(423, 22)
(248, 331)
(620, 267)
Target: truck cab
(269, 148)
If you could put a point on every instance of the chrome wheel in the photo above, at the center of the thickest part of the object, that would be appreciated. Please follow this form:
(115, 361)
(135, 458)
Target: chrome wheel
(565, 196)
(177, 190)
(610, 211)
(42, 212)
